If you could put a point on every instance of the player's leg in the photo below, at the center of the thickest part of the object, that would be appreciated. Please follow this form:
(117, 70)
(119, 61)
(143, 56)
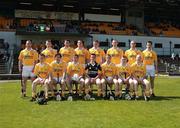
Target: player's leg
(53, 86)
(152, 85)
(118, 89)
(25, 74)
(103, 87)
(87, 89)
(111, 82)
(34, 84)
(81, 86)
(136, 84)
(131, 87)
(23, 86)
(69, 86)
(146, 84)
(63, 88)
(87, 85)
(46, 87)
(151, 73)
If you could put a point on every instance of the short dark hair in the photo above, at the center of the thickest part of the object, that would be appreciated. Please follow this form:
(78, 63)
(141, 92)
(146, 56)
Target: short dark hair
(42, 55)
(67, 40)
(149, 42)
(76, 55)
(93, 54)
(125, 57)
(58, 54)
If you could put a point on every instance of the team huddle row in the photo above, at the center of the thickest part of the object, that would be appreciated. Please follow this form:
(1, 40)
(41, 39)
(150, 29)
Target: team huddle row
(87, 68)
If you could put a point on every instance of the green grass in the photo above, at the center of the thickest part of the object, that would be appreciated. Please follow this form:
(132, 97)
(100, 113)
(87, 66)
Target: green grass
(161, 112)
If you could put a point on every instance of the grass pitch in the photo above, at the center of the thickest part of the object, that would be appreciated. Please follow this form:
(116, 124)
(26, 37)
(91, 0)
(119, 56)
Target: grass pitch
(161, 112)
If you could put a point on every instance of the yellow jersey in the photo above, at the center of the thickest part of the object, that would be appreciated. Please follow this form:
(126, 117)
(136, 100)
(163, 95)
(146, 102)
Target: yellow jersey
(73, 68)
(42, 70)
(109, 70)
(28, 57)
(138, 70)
(116, 55)
(67, 54)
(149, 57)
(131, 55)
(124, 71)
(99, 54)
(83, 55)
(49, 55)
(58, 68)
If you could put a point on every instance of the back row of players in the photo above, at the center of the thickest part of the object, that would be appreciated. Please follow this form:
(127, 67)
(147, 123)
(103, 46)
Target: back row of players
(116, 67)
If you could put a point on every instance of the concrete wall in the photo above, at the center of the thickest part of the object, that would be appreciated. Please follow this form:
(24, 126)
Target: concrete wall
(8, 37)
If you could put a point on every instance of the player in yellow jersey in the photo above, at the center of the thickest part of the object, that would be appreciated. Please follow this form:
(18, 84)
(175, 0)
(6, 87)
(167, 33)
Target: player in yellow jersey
(109, 76)
(115, 52)
(100, 55)
(43, 72)
(139, 77)
(58, 76)
(75, 73)
(27, 60)
(67, 52)
(132, 53)
(124, 74)
(82, 53)
(150, 61)
(49, 52)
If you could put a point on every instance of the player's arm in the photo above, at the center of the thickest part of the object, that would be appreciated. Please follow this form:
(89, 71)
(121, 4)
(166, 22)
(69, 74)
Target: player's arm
(20, 62)
(86, 71)
(64, 74)
(82, 72)
(35, 60)
(156, 62)
(20, 65)
(115, 72)
(68, 71)
(87, 56)
(103, 56)
(99, 72)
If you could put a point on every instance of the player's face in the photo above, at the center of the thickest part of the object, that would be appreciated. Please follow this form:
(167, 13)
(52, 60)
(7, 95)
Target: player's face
(124, 60)
(133, 44)
(41, 58)
(28, 44)
(58, 58)
(108, 58)
(138, 58)
(66, 43)
(75, 59)
(79, 43)
(149, 45)
(114, 43)
(93, 57)
(48, 44)
(96, 44)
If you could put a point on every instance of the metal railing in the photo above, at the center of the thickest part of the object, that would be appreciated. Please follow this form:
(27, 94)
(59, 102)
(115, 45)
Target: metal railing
(9, 63)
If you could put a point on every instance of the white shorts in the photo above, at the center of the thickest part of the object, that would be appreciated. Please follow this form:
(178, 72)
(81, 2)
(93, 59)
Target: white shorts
(27, 71)
(109, 78)
(58, 80)
(150, 70)
(76, 77)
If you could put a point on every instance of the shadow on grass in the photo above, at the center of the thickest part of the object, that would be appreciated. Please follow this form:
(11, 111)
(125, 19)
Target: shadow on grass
(160, 98)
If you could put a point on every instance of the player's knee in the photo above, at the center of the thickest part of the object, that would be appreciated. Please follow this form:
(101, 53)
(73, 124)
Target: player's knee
(103, 81)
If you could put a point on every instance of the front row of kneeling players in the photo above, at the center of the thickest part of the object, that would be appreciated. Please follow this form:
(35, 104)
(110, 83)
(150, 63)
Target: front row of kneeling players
(60, 73)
